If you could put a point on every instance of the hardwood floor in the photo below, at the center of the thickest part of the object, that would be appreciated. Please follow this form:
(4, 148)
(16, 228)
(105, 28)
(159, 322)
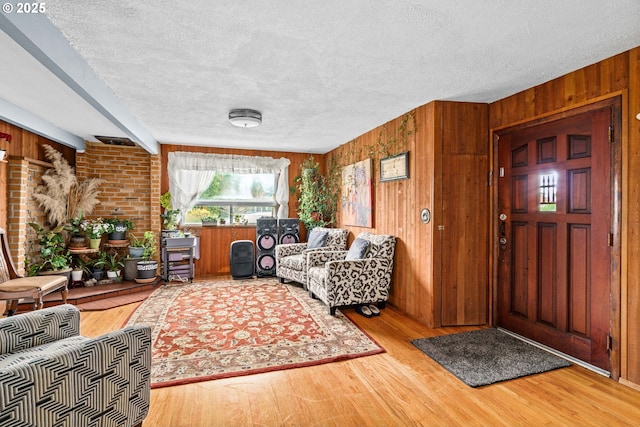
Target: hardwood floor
(398, 388)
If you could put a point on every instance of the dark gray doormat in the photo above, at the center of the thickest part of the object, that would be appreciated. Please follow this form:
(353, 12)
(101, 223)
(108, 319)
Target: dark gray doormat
(488, 356)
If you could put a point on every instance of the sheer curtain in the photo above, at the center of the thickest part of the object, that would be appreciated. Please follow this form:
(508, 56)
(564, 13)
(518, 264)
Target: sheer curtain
(191, 173)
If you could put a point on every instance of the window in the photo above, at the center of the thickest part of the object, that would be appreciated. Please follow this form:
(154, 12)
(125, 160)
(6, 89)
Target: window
(548, 191)
(228, 186)
(236, 198)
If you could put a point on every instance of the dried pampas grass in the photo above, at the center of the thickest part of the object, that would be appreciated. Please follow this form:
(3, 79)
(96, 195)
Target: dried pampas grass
(61, 195)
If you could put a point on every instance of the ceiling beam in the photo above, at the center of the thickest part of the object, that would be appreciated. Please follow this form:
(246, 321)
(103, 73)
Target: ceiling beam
(42, 40)
(15, 115)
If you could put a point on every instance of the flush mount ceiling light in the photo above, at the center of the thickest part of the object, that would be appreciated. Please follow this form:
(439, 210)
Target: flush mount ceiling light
(245, 118)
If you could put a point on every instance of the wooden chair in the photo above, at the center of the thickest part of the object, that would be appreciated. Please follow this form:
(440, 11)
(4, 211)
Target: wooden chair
(13, 286)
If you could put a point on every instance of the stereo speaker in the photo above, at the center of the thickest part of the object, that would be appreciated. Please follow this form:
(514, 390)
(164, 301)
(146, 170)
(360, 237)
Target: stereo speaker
(266, 235)
(288, 230)
(242, 258)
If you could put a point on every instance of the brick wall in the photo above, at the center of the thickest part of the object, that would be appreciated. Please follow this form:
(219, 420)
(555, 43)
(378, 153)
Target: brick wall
(24, 177)
(132, 183)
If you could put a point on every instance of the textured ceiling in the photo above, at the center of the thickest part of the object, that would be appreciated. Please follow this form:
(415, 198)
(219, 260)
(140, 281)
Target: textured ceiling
(322, 72)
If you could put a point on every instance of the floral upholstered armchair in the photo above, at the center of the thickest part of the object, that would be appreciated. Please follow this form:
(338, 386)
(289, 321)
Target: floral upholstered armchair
(361, 275)
(291, 259)
(52, 376)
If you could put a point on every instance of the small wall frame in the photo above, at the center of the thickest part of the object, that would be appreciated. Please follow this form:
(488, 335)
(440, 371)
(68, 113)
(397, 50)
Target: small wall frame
(394, 167)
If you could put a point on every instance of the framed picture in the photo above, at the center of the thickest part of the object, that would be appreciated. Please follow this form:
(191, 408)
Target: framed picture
(395, 167)
(357, 194)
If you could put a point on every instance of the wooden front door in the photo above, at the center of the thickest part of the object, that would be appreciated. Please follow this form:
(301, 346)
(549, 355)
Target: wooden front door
(554, 230)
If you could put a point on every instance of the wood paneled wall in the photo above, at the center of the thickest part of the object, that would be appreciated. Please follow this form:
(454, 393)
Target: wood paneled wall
(397, 205)
(434, 280)
(23, 145)
(615, 76)
(215, 241)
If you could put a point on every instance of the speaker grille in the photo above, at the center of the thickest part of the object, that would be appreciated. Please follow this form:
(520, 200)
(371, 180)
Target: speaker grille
(241, 258)
(288, 230)
(266, 240)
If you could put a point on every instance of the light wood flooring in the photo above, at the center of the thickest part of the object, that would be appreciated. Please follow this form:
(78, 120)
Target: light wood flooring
(401, 387)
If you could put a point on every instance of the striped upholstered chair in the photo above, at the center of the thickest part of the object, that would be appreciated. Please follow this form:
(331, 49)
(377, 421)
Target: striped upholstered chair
(52, 376)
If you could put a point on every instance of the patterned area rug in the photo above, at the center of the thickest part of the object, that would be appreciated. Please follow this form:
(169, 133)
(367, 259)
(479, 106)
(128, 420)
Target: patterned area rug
(219, 329)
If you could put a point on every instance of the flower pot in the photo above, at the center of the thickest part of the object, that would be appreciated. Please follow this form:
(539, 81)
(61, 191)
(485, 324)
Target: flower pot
(112, 274)
(119, 233)
(98, 274)
(94, 243)
(131, 268)
(136, 252)
(147, 269)
(77, 241)
(76, 275)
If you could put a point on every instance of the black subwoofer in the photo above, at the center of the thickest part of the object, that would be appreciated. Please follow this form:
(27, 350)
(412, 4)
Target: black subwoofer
(266, 240)
(288, 231)
(242, 258)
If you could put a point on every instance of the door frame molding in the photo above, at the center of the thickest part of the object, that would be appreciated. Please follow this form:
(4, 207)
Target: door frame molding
(615, 101)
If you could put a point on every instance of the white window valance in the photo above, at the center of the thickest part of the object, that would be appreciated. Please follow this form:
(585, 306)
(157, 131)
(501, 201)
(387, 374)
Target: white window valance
(191, 173)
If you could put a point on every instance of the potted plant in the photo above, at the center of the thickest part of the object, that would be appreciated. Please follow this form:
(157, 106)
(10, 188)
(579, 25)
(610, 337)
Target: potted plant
(94, 229)
(97, 266)
(317, 195)
(136, 246)
(75, 229)
(53, 256)
(117, 229)
(170, 217)
(148, 267)
(113, 265)
(81, 266)
(208, 221)
(61, 195)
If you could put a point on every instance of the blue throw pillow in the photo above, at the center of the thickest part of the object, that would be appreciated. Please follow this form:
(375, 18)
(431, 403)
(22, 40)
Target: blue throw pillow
(317, 238)
(358, 249)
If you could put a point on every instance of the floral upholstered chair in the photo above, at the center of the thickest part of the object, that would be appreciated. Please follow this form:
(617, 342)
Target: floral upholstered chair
(291, 259)
(361, 275)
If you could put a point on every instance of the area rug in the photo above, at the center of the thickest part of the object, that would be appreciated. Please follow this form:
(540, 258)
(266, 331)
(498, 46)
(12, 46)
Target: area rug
(488, 356)
(219, 329)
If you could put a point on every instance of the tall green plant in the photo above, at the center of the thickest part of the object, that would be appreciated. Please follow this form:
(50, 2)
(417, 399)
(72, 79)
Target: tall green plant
(318, 194)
